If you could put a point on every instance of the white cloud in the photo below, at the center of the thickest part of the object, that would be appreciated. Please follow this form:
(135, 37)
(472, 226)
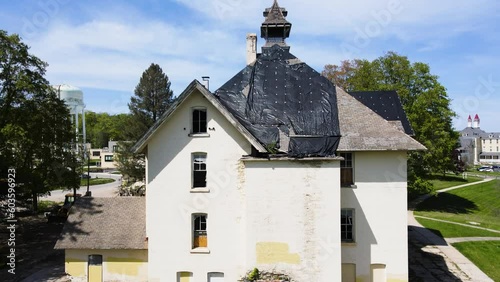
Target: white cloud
(112, 55)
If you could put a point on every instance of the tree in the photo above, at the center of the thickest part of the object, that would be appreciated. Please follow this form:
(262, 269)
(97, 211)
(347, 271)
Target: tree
(152, 98)
(424, 99)
(102, 127)
(35, 125)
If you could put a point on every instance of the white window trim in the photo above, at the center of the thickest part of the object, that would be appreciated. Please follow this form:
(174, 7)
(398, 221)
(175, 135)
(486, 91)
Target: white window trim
(354, 186)
(198, 250)
(199, 189)
(197, 134)
(353, 242)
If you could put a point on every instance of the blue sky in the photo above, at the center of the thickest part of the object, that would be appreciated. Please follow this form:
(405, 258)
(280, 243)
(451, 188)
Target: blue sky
(104, 46)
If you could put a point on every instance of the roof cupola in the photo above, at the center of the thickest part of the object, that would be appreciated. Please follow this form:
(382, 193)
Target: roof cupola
(275, 28)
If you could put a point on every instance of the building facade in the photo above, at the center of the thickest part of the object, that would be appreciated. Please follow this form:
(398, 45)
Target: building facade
(477, 145)
(278, 170)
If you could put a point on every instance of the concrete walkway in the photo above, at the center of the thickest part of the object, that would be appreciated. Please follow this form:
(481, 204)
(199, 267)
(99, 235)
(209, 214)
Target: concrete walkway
(432, 258)
(456, 223)
(470, 239)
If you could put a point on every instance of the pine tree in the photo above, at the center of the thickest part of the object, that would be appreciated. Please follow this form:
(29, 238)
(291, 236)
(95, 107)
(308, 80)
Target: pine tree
(152, 98)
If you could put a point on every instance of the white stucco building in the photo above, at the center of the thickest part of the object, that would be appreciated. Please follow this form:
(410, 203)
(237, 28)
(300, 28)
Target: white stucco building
(278, 170)
(477, 145)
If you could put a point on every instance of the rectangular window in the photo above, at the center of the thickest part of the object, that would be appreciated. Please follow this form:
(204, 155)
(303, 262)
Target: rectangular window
(184, 276)
(115, 148)
(96, 153)
(199, 121)
(215, 277)
(346, 170)
(108, 158)
(347, 225)
(199, 170)
(200, 231)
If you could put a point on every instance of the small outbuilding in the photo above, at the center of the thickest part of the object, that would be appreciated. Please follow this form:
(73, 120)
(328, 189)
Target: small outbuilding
(105, 240)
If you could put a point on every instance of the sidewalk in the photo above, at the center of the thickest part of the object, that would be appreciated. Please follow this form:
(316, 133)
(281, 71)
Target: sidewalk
(446, 263)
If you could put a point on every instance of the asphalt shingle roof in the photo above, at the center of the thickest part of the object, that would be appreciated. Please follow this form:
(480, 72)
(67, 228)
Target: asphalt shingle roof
(364, 130)
(105, 223)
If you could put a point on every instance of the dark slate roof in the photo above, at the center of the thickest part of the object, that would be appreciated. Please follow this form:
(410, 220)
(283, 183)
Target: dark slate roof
(386, 104)
(195, 87)
(105, 223)
(471, 132)
(489, 135)
(283, 101)
(364, 130)
(276, 15)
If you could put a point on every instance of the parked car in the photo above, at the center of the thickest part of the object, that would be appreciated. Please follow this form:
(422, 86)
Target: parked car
(485, 168)
(496, 168)
(85, 176)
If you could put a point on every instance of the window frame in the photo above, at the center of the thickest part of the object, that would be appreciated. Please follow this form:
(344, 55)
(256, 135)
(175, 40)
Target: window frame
(108, 158)
(200, 170)
(198, 231)
(352, 224)
(344, 168)
(198, 131)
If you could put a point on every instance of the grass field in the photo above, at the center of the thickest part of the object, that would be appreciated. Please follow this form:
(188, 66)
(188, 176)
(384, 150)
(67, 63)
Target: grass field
(440, 182)
(449, 230)
(477, 203)
(486, 255)
(96, 181)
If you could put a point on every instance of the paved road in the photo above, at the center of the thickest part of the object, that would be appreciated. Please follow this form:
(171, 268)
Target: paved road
(103, 190)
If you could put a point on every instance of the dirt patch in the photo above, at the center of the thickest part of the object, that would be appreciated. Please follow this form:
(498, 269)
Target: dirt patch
(34, 249)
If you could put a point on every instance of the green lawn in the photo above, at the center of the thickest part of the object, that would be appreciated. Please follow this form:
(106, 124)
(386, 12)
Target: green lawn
(449, 230)
(46, 206)
(440, 182)
(96, 181)
(485, 255)
(477, 203)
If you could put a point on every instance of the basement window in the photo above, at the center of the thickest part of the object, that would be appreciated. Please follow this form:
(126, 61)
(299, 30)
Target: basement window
(200, 231)
(347, 225)
(346, 170)
(199, 170)
(184, 276)
(199, 119)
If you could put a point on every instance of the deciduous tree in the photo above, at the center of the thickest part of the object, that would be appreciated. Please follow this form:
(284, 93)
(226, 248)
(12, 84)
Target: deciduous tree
(424, 99)
(35, 126)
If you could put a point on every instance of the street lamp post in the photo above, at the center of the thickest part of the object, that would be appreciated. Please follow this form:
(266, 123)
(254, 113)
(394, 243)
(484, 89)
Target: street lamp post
(88, 193)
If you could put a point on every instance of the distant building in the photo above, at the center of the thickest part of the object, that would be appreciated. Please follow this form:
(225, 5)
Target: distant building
(478, 146)
(106, 155)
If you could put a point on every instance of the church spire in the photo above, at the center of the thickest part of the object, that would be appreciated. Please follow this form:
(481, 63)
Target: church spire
(275, 29)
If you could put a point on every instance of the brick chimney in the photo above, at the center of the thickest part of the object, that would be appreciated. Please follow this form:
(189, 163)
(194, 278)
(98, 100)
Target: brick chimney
(251, 48)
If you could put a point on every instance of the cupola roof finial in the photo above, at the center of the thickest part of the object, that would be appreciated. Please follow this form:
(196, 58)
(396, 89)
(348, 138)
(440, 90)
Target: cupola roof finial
(275, 28)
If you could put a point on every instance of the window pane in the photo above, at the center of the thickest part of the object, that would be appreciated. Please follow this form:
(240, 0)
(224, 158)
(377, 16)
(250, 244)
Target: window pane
(346, 177)
(200, 231)
(199, 179)
(346, 225)
(199, 121)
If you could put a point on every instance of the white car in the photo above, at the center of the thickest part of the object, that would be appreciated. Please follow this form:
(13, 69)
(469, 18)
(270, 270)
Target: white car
(485, 168)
